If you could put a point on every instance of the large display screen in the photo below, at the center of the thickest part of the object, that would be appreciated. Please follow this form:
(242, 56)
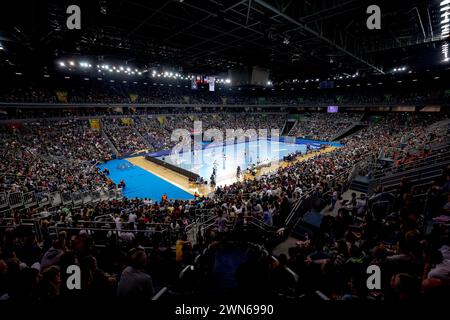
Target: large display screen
(333, 109)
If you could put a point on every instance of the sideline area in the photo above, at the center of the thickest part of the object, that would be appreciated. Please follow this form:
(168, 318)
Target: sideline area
(179, 181)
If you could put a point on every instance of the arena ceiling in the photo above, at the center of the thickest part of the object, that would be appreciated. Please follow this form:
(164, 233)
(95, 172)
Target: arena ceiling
(291, 38)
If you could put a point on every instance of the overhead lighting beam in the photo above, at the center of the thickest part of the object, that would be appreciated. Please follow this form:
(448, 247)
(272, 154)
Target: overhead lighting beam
(318, 35)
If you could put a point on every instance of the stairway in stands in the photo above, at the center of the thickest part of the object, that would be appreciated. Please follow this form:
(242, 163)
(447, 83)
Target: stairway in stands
(288, 126)
(226, 263)
(360, 183)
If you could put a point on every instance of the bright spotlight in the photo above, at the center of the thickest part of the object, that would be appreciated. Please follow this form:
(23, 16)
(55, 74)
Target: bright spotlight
(71, 63)
(62, 64)
(227, 81)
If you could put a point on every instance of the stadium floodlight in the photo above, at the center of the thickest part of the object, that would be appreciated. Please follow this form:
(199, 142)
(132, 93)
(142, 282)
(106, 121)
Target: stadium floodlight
(140, 73)
(121, 68)
(62, 64)
(228, 81)
(128, 69)
(71, 63)
(110, 70)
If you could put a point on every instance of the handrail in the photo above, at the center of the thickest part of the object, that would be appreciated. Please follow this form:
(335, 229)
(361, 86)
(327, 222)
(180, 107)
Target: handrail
(406, 172)
(160, 293)
(413, 164)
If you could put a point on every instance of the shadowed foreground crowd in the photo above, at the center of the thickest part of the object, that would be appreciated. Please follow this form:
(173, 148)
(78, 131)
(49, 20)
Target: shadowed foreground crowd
(414, 260)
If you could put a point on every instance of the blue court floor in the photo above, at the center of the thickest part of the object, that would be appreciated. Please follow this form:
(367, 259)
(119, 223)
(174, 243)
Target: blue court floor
(141, 183)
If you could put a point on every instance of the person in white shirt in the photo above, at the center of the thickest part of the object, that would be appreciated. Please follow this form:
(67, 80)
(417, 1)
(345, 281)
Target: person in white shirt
(436, 266)
(118, 222)
(132, 217)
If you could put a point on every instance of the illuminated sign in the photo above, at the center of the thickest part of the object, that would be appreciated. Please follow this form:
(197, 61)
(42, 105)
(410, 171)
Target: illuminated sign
(445, 27)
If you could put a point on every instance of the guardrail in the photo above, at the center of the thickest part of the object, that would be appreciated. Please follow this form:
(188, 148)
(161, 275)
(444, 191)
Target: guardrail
(304, 203)
(13, 200)
(430, 160)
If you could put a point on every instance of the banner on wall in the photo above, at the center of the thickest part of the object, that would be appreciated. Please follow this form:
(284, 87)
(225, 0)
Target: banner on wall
(94, 124)
(211, 82)
(133, 97)
(261, 100)
(161, 119)
(194, 84)
(127, 121)
(62, 96)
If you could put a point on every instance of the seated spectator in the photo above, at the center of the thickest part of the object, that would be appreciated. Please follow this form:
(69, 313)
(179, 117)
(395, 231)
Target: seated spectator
(134, 282)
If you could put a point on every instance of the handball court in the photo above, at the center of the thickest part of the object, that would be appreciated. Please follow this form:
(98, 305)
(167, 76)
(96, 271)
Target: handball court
(145, 179)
